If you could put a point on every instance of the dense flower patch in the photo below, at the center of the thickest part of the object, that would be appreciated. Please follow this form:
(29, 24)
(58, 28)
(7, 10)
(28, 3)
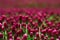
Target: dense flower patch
(29, 25)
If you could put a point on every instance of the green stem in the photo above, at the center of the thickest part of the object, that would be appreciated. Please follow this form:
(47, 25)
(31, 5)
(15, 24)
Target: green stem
(5, 35)
(26, 28)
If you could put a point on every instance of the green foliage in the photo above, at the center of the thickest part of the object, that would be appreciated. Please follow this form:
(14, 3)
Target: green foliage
(20, 20)
(5, 35)
(24, 30)
(1, 38)
(50, 18)
(30, 38)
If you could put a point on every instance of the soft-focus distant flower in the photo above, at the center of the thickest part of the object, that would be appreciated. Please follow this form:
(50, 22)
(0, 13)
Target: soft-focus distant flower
(31, 34)
(24, 37)
(52, 38)
(18, 38)
(10, 39)
(0, 25)
(1, 35)
(35, 38)
(29, 24)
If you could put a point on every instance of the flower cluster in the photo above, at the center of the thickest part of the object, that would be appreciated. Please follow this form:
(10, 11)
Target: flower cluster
(30, 24)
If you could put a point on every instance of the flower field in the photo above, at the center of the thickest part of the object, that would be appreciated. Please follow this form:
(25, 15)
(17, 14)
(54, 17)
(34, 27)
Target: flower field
(29, 24)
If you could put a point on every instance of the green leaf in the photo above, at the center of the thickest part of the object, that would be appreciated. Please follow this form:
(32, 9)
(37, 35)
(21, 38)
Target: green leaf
(5, 34)
(27, 22)
(20, 21)
(30, 38)
(25, 30)
(1, 38)
(51, 17)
